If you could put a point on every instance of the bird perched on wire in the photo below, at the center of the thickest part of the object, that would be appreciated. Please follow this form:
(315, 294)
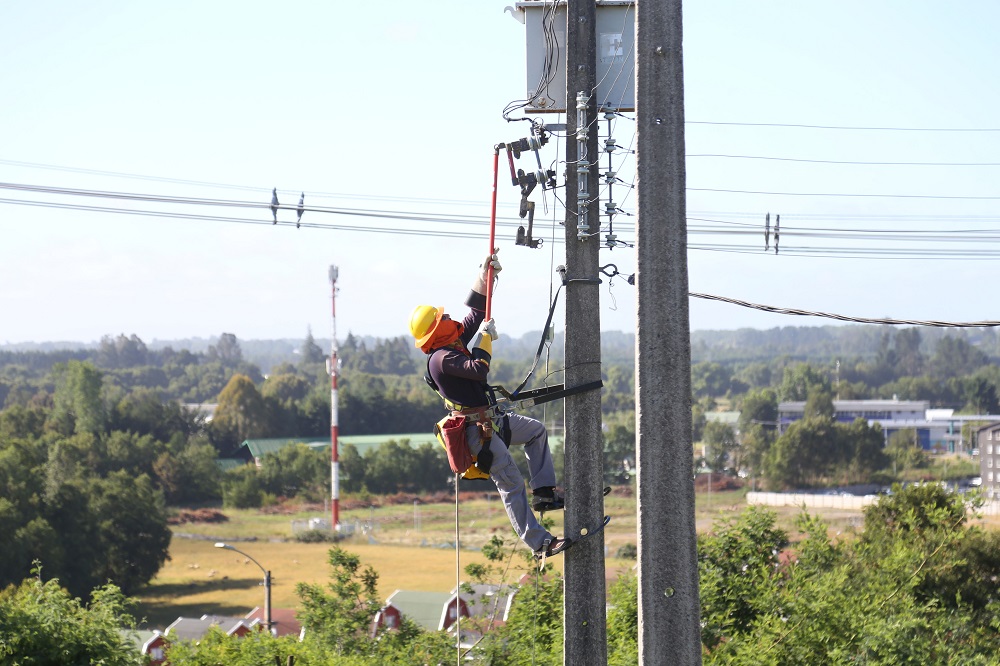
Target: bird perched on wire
(301, 209)
(274, 204)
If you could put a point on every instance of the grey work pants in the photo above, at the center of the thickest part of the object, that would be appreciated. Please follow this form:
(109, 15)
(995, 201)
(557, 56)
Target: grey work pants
(531, 434)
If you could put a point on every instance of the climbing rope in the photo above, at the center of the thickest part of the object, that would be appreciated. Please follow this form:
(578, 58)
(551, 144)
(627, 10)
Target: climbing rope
(458, 583)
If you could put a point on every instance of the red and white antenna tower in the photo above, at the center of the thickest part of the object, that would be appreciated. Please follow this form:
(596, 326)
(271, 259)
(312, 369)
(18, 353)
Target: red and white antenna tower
(334, 370)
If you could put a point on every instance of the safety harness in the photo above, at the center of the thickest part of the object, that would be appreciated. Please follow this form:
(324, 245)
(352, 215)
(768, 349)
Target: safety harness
(494, 417)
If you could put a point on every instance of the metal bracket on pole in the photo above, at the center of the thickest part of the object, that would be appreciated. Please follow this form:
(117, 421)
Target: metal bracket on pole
(582, 167)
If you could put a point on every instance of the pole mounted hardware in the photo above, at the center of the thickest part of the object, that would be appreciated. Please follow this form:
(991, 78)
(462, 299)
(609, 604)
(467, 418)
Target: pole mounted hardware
(527, 181)
(582, 167)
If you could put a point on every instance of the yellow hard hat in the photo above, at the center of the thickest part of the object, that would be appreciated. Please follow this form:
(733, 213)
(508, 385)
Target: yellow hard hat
(423, 322)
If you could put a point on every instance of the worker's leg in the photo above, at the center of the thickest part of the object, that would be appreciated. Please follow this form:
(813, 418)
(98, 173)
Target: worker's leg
(510, 484)
(531, 434)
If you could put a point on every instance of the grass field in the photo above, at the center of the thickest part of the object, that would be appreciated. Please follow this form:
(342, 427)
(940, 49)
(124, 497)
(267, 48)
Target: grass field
(410, 546)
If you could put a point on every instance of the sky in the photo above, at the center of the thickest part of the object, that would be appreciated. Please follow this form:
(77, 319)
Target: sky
(393, 109)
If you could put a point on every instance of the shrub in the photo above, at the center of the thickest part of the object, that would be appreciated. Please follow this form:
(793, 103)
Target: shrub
(318, 536)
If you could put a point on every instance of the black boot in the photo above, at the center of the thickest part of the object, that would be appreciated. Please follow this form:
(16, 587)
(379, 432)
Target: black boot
(545, 499)
(556, 546)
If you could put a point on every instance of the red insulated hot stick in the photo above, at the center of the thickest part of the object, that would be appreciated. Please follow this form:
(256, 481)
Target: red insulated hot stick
(493, 233)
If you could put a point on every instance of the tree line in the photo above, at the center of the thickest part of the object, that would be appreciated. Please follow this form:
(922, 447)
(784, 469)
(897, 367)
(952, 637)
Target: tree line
(916, 585)
(85, 434)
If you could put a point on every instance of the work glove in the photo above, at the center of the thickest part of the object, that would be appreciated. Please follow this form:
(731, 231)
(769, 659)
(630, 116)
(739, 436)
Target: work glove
(482, 342)
(479, 286)
(489, 327)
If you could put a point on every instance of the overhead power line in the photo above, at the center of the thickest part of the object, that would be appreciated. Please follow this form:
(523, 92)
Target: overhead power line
(840, 317)
(848, 162)
(744, 230)
(838, 194)
(888, 243)
(848, 127)
(247, 188)
(240, 220)
(231, 203)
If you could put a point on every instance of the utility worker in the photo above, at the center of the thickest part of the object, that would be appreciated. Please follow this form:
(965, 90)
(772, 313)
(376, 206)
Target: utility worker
(459, 376)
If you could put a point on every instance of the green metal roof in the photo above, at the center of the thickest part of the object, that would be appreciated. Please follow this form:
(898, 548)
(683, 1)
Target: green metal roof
(226, 464)
(259, 447)
(365, 442)
(137, 637)
(424, 608)
(729, 418)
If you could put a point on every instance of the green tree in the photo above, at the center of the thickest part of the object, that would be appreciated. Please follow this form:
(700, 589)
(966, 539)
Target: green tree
(131, 522)
(242, 488)
(534, 629)
(799, 379)
(286, 389)
(389, 468)
(144, 411)
(954, 357)
(78, 404)
(709, 379)
(241, 412)
(122, 352)
(189, 475)
(623, 621)
(739, 580)
(698, 419)
(981, 395)
(863, 450)
(26, 531)
(311, 353)
(800, 457)
(42, 624)
(296, 471)
(720, 442)
(908, 356)
(227, 351)
(339, 618)
(819, 403)
(352, 469)
(758, 427)
(905, 451)
(619, 449)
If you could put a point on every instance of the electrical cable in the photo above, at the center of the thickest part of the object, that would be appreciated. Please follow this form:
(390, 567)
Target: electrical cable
(844, 127)
(849, 318)
(837, 194)
(841, 252)
(848, 162)
(200, 183)
(240, 220)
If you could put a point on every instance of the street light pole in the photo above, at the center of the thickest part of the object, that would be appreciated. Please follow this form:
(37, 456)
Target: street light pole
(267, 583)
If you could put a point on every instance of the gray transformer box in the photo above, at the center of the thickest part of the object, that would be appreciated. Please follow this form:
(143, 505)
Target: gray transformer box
(545, 38)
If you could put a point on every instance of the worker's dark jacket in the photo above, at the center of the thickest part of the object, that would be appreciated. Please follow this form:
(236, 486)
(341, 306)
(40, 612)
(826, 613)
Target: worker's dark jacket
(458, 377)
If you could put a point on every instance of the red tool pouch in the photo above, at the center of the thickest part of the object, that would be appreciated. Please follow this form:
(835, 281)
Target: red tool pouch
(451, 432)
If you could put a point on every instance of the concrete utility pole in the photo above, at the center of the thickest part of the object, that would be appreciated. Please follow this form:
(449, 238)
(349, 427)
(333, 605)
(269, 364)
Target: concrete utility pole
(585, 626)
(669, 610)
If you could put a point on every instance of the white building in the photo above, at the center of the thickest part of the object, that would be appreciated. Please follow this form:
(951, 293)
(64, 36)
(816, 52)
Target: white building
(936, 429)
(988, 439)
